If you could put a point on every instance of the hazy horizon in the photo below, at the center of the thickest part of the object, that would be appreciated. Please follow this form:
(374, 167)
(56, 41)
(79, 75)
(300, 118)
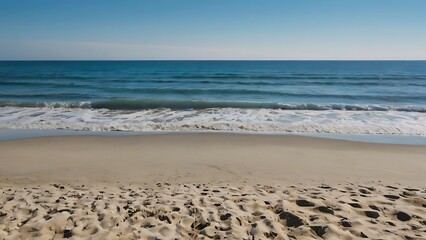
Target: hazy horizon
(220, 30)
(214, 60)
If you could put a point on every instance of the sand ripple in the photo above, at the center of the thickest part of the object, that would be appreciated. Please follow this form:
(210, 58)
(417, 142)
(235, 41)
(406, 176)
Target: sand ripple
(203, 211)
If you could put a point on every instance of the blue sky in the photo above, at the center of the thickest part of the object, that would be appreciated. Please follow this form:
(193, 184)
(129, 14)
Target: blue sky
(212, 29)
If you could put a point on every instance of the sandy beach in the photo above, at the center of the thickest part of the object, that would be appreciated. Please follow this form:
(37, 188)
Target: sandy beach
(210, 186)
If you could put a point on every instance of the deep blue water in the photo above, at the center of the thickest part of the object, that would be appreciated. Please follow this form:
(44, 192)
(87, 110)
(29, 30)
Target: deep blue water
(350, 85)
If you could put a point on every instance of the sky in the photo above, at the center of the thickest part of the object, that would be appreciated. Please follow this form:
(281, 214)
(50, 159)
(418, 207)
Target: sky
(212, 29)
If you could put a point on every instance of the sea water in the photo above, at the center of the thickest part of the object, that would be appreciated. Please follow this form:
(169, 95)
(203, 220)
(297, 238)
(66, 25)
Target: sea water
(365, 97)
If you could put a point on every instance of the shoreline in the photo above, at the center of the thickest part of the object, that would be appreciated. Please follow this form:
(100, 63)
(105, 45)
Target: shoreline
(7, 134)
(255, 158)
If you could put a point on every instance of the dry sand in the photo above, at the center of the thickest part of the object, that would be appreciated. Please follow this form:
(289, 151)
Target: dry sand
(210, 186)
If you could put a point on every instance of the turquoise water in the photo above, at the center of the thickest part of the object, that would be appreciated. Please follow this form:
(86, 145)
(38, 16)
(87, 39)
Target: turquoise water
(263, 95)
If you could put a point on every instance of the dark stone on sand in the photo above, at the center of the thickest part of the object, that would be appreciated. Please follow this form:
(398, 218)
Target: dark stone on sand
(239, 221)
(292, 220)
(374, 207)
(66, 210)
(304, 203)
(288, 235)
(414, 227)
(278, 209)
(371, 214)
(47, 217)
(176, 209)
(164, 218)
(355, 205)
(225, 217)
(364, 191)
(130, 212)
(346, 224)
(270, 235)
(391, 223)
(202, 226)
(147, 226)
(402, 216)
(319, 230)
(325, 210)
(2, 214)
(408, 194)
(67, 233)
(412, 189)
(224, 229)
(393, 197)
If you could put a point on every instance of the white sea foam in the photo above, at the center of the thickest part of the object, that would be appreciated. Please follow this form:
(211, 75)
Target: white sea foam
(224, 119)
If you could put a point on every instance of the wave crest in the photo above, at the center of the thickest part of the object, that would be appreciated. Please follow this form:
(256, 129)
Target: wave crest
(144, 104)
(216, 119)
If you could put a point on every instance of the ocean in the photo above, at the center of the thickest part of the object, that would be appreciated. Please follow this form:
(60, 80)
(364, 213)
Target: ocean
(367, 97)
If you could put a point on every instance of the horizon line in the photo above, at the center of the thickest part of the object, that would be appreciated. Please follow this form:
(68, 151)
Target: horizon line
(188, 60)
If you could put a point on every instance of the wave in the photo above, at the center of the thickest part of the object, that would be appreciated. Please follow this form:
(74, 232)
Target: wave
(40, 76)
(143, 104)
(46, 84)
(216, 119)
(271, 83)
(303, 83)
(52, 96)
(226, 76)
(300, 76)
(212, 92)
